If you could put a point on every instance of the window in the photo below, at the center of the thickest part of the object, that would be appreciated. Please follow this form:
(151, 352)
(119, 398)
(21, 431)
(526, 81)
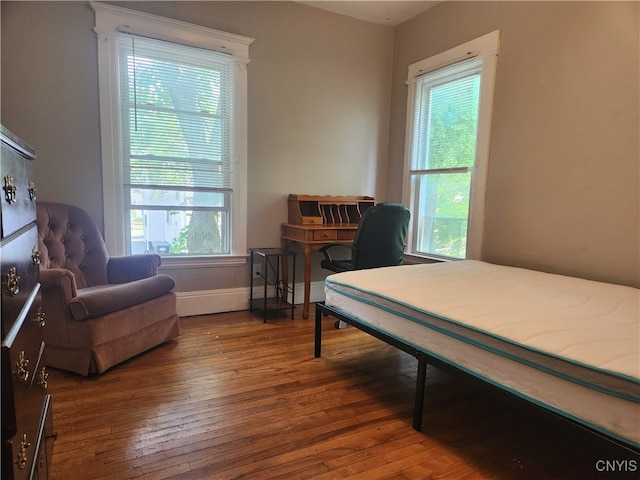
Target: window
(177, 146)
(448, 125)
(173, 116)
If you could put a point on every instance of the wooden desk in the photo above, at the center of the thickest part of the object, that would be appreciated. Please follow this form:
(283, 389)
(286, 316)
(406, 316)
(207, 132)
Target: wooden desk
(311, 238)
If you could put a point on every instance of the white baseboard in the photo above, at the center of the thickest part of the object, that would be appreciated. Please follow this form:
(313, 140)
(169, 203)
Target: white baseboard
(203, 302)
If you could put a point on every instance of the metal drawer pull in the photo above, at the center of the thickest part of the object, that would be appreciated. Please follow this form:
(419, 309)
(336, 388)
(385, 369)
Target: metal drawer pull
(42, 380)
(10, 190)
(32, 191)
(39, 317)
(22, 366)
(12, 282)
(22, 453)
(35, 255)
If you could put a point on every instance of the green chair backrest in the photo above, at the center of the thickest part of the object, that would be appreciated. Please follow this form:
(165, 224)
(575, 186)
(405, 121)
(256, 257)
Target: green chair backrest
(381, 234)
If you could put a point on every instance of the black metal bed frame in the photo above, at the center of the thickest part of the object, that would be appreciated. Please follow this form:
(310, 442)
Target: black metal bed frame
(423, 360)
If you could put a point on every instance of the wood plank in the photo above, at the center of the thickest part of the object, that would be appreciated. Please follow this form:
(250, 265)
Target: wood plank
(234, 397)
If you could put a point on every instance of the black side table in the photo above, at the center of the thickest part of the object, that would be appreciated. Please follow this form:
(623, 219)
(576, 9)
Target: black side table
(276, 292)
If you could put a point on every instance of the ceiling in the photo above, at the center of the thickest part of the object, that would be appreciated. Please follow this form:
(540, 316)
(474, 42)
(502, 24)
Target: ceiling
(391, 12)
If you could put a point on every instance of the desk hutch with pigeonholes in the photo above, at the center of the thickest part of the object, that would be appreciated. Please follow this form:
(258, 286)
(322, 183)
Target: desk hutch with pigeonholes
(317, 220)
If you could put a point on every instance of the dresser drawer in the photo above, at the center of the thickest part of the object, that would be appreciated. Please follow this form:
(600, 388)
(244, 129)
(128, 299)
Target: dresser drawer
(27, 352)
(19, 272)
(18, 187)
(24, 373)
(347, 235)
(30, 390)
(328, 234)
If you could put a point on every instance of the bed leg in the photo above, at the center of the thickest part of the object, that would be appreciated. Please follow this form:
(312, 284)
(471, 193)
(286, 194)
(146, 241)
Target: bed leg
(318, 336)
(418, 405)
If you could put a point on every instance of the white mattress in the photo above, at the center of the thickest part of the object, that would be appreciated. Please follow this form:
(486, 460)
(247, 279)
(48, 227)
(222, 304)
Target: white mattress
(569, 344)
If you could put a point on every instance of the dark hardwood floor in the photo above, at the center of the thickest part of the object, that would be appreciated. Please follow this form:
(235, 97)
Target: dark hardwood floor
(236, 398)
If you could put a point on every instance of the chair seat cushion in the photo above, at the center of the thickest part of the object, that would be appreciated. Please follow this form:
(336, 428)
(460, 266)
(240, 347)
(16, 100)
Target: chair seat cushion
(96, 301)
(337, 265)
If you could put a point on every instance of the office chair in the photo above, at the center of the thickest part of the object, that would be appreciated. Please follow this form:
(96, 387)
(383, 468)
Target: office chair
(379, 242)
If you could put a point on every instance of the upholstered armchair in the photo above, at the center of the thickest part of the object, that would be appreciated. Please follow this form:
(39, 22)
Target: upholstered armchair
(99, 310)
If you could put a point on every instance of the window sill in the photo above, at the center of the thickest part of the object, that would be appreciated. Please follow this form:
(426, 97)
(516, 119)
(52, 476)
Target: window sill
(200, 262)
(413, 258)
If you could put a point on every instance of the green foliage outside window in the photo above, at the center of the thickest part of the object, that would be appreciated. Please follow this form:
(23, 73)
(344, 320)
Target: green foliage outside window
(175, 132)
(450, 143)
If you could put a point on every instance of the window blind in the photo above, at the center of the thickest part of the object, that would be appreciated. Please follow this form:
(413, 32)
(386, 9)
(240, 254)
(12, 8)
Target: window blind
(177, 113)
(445, 119)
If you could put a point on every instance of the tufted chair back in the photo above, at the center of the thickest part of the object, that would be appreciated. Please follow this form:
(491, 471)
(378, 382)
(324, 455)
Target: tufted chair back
(69, 238)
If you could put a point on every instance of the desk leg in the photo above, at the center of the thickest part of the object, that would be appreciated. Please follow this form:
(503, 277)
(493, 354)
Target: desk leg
(307, 280)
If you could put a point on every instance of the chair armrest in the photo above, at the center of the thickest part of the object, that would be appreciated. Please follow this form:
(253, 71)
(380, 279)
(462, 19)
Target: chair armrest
(96, 301)
(60, 281)
(58, 287)
(334, 248)
(132, 267)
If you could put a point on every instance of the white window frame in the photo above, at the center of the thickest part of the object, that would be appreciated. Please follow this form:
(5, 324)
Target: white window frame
(484, 49)
(109, 22)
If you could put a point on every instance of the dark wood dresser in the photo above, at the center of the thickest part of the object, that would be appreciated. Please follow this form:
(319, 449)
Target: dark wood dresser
(27, 426)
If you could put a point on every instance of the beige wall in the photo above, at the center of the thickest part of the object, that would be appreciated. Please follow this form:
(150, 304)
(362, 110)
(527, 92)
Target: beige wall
(319, 87)
(327, 105)
(563, 187)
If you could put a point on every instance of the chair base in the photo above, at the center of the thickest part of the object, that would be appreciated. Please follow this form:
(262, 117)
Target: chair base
(97, 347)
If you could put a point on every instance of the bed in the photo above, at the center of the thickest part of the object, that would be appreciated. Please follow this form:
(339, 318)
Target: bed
(566, 344)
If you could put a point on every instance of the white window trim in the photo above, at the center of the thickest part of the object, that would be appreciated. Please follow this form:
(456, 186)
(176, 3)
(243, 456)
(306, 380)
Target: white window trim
(110, 21)
(487, 49)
